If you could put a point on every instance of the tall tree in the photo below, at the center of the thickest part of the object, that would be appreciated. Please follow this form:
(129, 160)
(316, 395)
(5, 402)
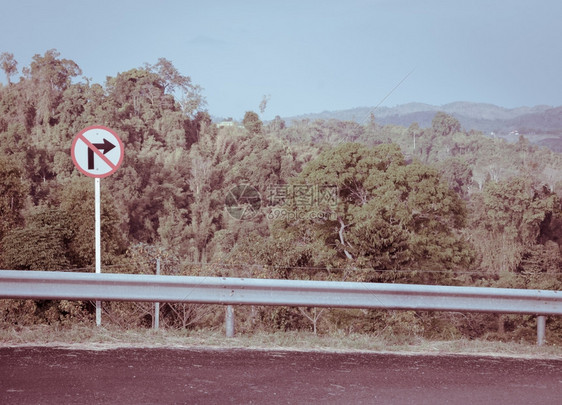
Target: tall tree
(508, 218)
(444, 124)
(252, 122)
(174, 82)
(457, 172)
(12, 195)
(48, 77)
(385, 214)
(9, 65)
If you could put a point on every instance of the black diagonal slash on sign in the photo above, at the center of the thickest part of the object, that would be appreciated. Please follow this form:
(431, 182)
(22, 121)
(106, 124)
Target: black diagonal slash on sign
(96, 148)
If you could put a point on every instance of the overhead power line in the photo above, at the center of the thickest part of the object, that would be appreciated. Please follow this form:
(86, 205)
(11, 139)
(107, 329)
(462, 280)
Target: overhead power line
(388, 95)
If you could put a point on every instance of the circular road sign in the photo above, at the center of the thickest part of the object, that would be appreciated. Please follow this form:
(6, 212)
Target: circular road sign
(97, 151)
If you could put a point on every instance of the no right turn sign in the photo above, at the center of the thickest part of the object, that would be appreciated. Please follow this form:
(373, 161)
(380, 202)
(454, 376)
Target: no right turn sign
(97, 151)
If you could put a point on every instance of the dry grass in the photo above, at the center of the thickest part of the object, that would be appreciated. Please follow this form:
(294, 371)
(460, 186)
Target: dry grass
(94, 338)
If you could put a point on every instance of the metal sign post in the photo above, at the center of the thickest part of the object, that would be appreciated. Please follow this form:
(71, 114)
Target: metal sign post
(97, 152)
(98, 241)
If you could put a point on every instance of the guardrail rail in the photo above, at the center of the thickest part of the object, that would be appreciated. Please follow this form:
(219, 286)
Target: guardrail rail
(299, 293)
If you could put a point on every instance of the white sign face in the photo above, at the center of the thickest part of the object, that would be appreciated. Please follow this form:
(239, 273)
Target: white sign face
(97, 151)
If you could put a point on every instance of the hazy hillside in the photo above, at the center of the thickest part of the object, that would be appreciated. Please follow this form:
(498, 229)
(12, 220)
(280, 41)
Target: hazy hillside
(538, 122)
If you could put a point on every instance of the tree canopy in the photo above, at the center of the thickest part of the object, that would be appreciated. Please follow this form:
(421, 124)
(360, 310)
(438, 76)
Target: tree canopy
(334, 194)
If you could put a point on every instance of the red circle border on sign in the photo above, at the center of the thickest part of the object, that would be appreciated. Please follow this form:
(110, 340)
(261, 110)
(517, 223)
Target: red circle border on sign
(78, 137)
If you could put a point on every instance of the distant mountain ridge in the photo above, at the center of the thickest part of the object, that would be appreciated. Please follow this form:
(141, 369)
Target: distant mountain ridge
(539, 122)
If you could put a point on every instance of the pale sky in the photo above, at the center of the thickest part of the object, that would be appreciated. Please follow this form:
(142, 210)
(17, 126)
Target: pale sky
(309, 56)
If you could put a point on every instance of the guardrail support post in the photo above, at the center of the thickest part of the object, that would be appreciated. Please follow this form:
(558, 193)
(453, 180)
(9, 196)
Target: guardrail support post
(156, 319)
(541, 328)
(229, 321)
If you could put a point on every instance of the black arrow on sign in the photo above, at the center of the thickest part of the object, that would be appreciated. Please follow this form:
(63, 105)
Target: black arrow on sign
(106, 146)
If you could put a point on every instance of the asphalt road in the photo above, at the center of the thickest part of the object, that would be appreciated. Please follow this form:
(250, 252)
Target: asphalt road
(35, 375)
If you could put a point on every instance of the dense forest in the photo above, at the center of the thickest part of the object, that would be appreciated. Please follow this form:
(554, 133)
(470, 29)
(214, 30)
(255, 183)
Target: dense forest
(309, 199)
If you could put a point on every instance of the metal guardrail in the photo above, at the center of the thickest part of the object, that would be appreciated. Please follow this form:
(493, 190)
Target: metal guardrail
(240, 291)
